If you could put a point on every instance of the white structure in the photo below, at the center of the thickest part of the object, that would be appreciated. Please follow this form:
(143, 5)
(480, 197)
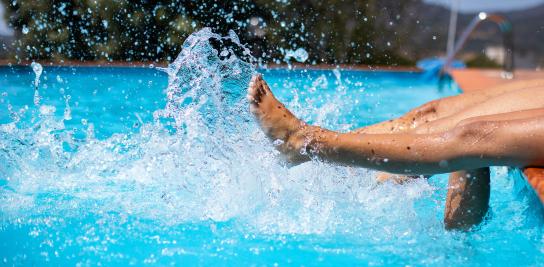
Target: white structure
(454, 6)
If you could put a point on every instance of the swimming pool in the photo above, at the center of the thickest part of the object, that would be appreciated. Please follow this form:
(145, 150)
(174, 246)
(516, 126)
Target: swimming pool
(131, 166)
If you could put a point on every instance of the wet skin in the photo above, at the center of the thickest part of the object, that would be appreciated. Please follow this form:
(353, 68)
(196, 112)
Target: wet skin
(505, 139)
(468, 131)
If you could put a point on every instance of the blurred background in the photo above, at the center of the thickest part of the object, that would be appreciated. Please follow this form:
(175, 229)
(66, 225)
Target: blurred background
(361, 32)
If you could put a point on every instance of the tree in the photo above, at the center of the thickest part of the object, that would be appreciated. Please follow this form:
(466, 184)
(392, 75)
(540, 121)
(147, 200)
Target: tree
(334, 32)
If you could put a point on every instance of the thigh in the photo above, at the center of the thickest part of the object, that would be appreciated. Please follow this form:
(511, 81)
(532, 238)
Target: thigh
(510, 139)
(452, 105)
(510, 105)
(459, 106)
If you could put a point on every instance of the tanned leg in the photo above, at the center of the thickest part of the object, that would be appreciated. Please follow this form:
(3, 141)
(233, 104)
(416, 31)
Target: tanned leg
(510, 102)
(446, 107)
(467, 201)
(468, 191)
(276, 121)
(478, 144)
(475, 145)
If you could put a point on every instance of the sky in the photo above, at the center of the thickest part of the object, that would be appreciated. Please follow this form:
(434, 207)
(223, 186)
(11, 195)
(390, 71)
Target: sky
(489, 5)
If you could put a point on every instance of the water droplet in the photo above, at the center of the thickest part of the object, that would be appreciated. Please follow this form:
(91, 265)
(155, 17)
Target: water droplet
(254, 21)
(37, 68)
(299, 55)
(278, 142)
(47, 110)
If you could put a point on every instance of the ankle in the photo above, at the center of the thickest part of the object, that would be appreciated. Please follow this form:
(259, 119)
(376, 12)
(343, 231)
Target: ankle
(308, 138)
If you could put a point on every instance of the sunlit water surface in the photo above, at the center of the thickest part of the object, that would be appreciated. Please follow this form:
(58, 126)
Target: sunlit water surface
(111, 165)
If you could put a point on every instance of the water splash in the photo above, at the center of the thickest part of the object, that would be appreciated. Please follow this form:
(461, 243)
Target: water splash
(202, 159)
(37, 69)
(205, 80)
(67, 109)
(299, 55)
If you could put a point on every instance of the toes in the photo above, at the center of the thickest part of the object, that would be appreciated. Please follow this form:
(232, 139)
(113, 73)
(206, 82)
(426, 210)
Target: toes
(262, 85)
(259, 84)
(261, 90)
(257, 98)
(251, 99)
(253, 94)
(252, 85)
(257, 77)
(265, 87)
(256, 91)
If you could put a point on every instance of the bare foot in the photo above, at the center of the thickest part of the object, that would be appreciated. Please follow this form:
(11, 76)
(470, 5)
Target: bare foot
(289, 134)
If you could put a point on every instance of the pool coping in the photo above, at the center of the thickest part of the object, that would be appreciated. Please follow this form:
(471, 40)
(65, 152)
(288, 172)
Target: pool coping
(478, 79)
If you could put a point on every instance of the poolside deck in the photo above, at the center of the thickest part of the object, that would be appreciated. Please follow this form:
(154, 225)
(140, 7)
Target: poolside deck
(478, 79)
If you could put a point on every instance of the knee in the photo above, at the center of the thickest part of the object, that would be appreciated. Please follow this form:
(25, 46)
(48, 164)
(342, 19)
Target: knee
(474, 131)
(428, 109)
(473, 139)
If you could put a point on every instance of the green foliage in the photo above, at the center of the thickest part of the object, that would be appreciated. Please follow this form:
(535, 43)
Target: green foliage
(333, 32)
(482, 61)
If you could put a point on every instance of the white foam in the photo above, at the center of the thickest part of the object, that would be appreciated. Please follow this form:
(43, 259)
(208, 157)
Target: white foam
(215, 165)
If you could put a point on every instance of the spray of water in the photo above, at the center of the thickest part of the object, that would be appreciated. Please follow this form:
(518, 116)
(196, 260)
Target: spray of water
(299, 55)
(37, 68)
(201, 161)
(201, 158)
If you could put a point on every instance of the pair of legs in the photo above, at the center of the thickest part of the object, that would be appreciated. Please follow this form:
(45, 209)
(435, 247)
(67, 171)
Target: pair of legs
(467, 200)
(499, 126)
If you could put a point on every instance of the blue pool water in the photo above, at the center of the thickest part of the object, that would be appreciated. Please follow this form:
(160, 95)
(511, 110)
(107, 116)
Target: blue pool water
(136, 166)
